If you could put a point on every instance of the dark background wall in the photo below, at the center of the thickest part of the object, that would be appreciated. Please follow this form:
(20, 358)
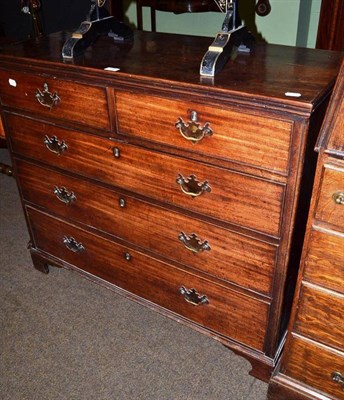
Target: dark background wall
(61, 14)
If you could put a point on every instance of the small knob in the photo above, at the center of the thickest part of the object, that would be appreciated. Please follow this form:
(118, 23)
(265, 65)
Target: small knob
(338, 198)
(122, 202)
(127, 256)
(337, 377)
(116, 152)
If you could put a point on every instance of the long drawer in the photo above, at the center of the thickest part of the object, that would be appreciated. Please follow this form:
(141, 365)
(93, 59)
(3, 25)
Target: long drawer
(222, 194)
(215, 131)
(196, 244)
(315, 365)
(227, 312)
(67, 100)
(324, 264)
(315, 309)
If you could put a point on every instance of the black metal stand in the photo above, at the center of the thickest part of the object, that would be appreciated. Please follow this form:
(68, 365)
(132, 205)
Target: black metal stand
(234, 37)
(98, 23)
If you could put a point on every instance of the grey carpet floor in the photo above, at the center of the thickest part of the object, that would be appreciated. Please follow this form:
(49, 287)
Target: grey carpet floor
(64, 337)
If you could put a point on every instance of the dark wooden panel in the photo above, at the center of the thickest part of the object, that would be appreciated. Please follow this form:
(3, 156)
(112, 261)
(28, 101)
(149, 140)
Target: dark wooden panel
(332, 132)
(331, 26)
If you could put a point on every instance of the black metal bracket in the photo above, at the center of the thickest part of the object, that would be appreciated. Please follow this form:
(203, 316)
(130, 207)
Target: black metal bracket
(233, 37)
(98, 22)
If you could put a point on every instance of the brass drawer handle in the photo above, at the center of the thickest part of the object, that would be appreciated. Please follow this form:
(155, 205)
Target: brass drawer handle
(338, 198)
(73, 245)
(63, 195)
(337, 377)
(54, 145)
(191, 186)
(193, 131)
(46, 98)
(192, 297)
(193, 243)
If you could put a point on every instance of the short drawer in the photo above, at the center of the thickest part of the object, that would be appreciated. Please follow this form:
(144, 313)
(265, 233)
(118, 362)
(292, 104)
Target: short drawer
(67, 100)
(192, 242)
(232, 197)
(227, 312)
(324, 264)
(330, 207)
(315, 309)
(315, 365)
(241, 137)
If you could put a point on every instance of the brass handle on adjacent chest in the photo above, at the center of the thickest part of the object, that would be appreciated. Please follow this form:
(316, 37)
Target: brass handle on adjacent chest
(192, 297)
(54, 145)
(73, 245)
(63, 195)
(338, 198)
(46, 98)
(193, 243)
(338, 378)
(193, 131)
(191, 186)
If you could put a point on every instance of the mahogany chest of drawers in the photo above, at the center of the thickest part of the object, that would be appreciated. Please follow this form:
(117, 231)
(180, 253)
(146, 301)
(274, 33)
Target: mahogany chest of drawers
(312, 365)
(179, 192)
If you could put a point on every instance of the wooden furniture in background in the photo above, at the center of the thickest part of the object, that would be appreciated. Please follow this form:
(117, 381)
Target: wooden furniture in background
(312, 365)
(116, 9)
(4, 168)
(179, 192)
(174, 6)
(331, 25)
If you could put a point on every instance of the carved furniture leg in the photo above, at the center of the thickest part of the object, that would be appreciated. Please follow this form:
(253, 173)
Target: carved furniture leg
(6, 169)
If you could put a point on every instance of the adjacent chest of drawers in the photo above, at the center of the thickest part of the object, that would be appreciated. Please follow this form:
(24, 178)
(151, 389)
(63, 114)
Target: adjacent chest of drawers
(180, 193)
(312, 366)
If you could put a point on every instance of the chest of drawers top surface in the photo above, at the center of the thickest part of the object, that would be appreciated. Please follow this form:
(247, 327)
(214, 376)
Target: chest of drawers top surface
(172, 61)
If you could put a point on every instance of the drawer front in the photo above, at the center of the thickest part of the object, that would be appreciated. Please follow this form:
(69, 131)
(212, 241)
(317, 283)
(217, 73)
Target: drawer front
(315, 309)
(324, 263)
(314, 365)
(232, 197)
(330, 207)
(79, 103)
(240, 137)
(227, 312)
(214, 250)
